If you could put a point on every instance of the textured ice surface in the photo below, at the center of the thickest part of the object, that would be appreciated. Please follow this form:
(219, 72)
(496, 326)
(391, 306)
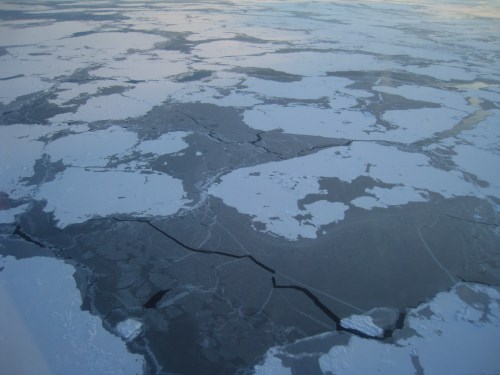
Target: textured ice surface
(77, 195)
(91, 149)
(446, 335)
(272, 365)
(12, 88)
(20, 149)
(87, 187)
(310, 120)
(372, 125)
(129, 329)
(276, 189)
(449, 336)
(45, 329)
(166, 144)
(9, 215)
(364, 324)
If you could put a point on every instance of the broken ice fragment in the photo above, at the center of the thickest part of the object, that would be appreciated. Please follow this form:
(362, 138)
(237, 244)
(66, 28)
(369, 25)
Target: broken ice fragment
(364, 324)
(129, 329)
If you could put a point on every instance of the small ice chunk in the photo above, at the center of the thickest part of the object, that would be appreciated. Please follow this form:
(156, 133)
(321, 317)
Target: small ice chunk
(129, 329)
(362, 323)
(198, 153)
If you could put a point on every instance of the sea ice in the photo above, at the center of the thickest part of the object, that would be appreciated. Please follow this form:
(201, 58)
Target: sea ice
(457, 332)
(77, 195)
(272, 192)
(42, 321)
(129, 329)
(450, 336)
(362, 323)
(166, 144)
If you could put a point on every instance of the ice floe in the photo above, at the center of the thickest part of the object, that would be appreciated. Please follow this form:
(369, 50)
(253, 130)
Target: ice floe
(457, 332)
(77, 195)
(87, 187)
(166, 144)
(271, 193)
(8, 216)
(363, 324)
(129, 329)
(20, 149)
(144, 67)
(42, 321)
(91, 149)
(310, 120)
(12, 88)
(408, 125)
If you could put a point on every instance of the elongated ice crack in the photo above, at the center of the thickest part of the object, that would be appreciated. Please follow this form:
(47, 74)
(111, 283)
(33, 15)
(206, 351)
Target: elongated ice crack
(275, 285)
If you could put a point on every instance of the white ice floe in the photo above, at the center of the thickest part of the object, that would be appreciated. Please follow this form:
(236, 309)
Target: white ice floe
(483, 164)
(271, 193)
(45, 53)
(310, 120)
(272, 365)
(457, 332)
(168, 143)
(129, 329)
(363, 324)
(212, 96)
(108, 107)
(451, 99)
(39, 34)
(475, 150)
(410, 125)
(102, 47)
(383, 197)
(42, 321)
(12, 88)
(67, 91)
(91, 149)
(77, 195)
(8, 216)
(445, 72)
(18, 152)
(53, 56)
(136, 101)
(145, 66)
(306, 88)
(308, 64)
(226, 48)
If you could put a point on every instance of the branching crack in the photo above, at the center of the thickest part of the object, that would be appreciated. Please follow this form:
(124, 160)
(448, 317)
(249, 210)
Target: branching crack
(259, 140)
(211, 133)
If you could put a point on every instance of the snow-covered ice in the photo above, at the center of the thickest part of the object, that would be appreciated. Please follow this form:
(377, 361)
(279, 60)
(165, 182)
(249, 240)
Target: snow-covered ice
(45, 329)
(445, 335)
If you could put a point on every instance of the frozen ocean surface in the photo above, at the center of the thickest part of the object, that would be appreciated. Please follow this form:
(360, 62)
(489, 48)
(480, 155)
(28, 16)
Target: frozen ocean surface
(45, 332)
(257, 187)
